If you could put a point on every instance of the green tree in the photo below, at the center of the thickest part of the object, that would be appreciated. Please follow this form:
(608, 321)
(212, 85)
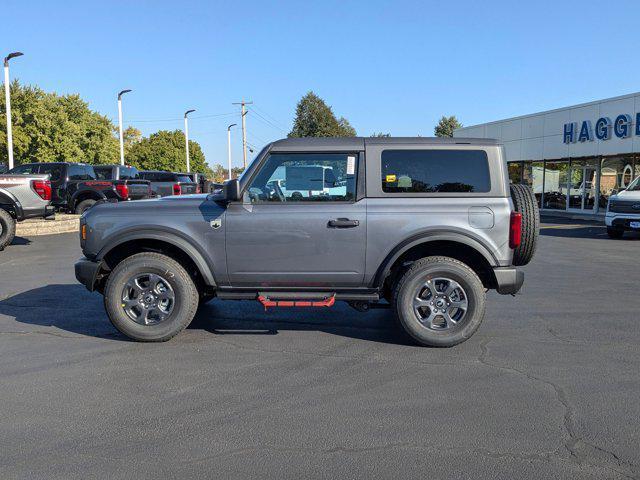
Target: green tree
(130, 136)
(446, 126)
(164, 150)
(314, 118)
(51, 128)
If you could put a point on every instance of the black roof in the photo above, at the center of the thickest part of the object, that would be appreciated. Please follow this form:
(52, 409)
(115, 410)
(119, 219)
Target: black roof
(360, 142)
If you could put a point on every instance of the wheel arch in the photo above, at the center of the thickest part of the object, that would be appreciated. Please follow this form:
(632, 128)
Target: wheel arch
(8, 199)
(125, 245)
(82, 195)
(452, 244)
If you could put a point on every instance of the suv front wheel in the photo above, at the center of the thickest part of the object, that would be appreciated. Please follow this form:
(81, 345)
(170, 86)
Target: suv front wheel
(150, 297)
(439, 301)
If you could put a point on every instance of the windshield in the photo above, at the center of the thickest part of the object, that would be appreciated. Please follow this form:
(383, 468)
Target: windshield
(635, 185)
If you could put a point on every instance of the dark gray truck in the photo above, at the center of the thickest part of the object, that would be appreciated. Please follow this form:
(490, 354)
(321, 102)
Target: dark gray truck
(164, 184)
(423, 226)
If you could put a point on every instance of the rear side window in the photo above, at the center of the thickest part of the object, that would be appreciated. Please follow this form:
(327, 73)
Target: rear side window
(435, 171)
(103, 173)
(76, 172)
(54, 171)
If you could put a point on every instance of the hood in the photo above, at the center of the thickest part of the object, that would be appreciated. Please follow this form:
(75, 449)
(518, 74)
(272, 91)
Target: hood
(626, 195)
(179, 204)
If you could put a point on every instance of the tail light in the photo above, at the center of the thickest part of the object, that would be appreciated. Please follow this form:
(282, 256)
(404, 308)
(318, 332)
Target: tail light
(123, 191)
(515, 230)
(177, 189)
(198, 188)
(42, 188)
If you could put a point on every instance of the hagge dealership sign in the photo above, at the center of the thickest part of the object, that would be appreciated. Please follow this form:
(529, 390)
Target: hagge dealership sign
(604, 128)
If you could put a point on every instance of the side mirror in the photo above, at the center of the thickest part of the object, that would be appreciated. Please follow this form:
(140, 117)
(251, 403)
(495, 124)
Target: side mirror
(232, 190)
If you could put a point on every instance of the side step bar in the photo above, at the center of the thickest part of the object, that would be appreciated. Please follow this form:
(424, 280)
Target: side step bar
(293, 299)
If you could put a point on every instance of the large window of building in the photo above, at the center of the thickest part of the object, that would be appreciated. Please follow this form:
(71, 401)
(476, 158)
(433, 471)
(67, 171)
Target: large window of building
(515, 172)
(533, 176)
(615, 174)
(555, 185)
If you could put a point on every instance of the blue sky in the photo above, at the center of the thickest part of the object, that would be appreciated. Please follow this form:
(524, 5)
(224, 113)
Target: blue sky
(386, 66)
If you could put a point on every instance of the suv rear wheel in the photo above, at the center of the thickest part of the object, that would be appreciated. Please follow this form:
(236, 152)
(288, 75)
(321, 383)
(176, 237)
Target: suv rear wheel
(439, 301)
(7, 228)
(150, 297)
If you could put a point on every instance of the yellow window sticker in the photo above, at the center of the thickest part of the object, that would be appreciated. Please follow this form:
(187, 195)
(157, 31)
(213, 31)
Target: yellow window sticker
(391, 178)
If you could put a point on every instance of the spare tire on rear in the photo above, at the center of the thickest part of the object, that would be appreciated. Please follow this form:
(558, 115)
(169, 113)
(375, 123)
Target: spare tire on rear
(524, 202)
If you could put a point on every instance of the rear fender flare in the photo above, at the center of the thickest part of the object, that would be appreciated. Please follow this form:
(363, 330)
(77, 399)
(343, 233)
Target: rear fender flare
(426, 237)
(89, 194)
(168, 236)
(8, 198)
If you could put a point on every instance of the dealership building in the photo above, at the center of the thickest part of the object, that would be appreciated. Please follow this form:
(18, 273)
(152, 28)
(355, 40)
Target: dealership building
(573, 158)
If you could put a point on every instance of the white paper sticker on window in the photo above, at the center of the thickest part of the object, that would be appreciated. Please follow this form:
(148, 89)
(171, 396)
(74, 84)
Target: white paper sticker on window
(351, 165)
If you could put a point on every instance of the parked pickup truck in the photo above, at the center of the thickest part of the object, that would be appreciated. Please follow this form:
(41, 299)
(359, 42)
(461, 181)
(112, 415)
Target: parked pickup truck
(76, 187)
(22, 197)
(623, 211)
(165, 184)
(423, 226)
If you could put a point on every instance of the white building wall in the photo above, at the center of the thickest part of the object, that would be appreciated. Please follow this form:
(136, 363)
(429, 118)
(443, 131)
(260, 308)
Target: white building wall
(539, 136)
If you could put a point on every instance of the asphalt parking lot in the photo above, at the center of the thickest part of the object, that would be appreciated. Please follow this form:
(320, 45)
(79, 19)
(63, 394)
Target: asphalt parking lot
(549, 387)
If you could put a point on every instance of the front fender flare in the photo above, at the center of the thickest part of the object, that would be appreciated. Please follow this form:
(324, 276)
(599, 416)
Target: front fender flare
(427, 237)
(174, 238)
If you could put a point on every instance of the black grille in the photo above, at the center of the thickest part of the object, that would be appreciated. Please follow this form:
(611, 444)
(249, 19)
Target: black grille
(625, 206)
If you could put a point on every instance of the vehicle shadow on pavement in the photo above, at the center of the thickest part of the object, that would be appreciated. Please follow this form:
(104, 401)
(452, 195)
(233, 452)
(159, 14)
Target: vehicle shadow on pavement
(20, 241)
(73, 309)
(66, 307)
(249, 318)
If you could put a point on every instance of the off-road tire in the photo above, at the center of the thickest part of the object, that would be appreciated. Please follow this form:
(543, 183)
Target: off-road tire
(7, 228)
(525, 202)
(430, 268)
(85, 205)
(614, 232)
(186, 297)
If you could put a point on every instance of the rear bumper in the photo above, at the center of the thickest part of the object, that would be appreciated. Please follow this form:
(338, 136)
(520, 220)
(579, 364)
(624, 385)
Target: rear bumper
(87, 273)
(509, 280)
(38, 212)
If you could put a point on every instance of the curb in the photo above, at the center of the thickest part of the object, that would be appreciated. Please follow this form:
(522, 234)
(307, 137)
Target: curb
(61, 224)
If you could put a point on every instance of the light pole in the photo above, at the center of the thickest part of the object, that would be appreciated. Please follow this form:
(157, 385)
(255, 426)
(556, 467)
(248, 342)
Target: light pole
(7, 95)
(186, 137)
(120, 125)
(229, 146)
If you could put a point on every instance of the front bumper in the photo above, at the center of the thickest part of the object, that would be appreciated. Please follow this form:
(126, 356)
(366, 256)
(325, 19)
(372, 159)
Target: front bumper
(509, 280)
(622, 221)
(87, 272)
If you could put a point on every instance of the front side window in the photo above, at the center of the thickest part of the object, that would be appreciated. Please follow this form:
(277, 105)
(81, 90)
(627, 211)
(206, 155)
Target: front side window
(305, 177)
(435, 171)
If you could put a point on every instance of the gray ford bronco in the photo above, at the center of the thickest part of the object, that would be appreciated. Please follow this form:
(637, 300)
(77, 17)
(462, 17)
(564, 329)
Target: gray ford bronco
(424, 226)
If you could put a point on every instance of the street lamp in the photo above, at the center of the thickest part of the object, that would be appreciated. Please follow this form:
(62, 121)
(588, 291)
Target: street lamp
(229, 146)
(186, 137)
(120, 125)
(8, 102)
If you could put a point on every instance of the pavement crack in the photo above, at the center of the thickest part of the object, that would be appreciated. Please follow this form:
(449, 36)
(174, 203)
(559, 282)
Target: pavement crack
(574, 444)
(52, 334)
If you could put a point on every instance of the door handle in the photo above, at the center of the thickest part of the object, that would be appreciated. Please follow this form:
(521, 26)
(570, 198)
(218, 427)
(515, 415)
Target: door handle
(343, 223)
